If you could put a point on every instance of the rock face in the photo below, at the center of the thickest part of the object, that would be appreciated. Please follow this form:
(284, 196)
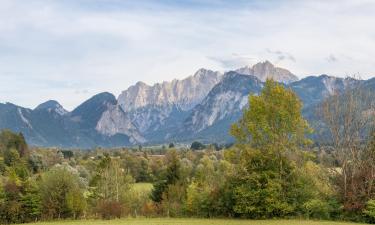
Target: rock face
(154, 108)
(227, 98)
(115, 121)
(100, 117)
(184, 93)
(88, 113)
(264, 70)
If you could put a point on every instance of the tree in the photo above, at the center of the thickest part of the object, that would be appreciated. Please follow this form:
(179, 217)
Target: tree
(171, 145)
(9, 140)
(68, 154)
(196, 145)
(270, 129)
(348, 118)
(273, 121)
(31, 202)
(110, 186)
(11, 157)
(110, 181)
(370, 211)
(207, 194)
(61, 194)
(172, 175)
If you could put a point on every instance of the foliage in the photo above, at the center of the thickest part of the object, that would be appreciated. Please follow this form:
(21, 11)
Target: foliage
(61, 194)
(109, 209)
(369, 211)
(170, 177)
(316, 208)
(196, 145)
(271, 171)
(271, 135)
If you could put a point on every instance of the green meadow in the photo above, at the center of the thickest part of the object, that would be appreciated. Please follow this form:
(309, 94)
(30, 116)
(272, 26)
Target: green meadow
(166, 221)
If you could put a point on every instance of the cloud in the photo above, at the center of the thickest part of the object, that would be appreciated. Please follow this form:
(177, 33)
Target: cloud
(331, 58)
(51, 49)
(280, 55)
(233, 61)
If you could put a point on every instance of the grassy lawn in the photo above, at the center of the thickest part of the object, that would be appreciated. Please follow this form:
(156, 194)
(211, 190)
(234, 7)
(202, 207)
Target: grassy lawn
(165, 221)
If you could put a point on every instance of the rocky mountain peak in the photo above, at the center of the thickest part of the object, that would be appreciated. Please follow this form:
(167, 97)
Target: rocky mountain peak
(203, 72)
(266, 69)
(141, 84)
(52, 105)
(184, 93)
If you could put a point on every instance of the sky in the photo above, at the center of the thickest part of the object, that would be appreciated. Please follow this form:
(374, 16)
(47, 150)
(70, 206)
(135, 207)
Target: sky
(70, 50)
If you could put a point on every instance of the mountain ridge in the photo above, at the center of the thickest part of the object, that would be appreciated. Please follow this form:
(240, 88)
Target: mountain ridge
(199, 107)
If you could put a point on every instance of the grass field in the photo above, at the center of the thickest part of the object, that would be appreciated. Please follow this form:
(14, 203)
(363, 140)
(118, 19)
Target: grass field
(165, 221)
(143, 187)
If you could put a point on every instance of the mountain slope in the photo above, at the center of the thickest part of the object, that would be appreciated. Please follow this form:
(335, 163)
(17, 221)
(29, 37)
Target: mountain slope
(49, 124)
(314, 89)
(210, 121)
(224, 100)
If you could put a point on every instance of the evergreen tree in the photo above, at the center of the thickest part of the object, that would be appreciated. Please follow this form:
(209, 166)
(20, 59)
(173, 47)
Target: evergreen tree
(172, 175)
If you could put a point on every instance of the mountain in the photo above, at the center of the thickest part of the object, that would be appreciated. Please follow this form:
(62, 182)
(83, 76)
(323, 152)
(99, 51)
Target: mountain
(313, 89)
(153, 108)
(226, 99)
(184, 93)
(44, 125)
(94, 120)
(49, 124)
(52, 105)
(264, 70)
(200, 107)
(16, 118)
(89, 113)
(210, 121)
(116, 121)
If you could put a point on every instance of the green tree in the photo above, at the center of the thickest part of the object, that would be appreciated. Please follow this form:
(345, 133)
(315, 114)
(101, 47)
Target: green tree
(369, 211)
(58, 186)
(196, 145)
(11, 157)
(172, 175)
(273, 121)
(110, 182)
(270, 129)
(31, 202)
(9, 140)
(110, 187)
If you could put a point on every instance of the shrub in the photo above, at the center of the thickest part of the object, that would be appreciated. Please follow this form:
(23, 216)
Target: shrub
(109, 209)
(317, 209)
(370, 211)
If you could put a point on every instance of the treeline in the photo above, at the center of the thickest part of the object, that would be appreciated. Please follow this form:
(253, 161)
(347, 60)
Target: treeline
(272, 170)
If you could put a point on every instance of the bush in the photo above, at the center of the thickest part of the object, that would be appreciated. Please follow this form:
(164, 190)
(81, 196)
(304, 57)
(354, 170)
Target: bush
(109, 209)
(370, 211)
(317, 209)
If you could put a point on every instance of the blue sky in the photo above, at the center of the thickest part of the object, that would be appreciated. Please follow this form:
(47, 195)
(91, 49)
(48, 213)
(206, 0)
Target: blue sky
(69, 50)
